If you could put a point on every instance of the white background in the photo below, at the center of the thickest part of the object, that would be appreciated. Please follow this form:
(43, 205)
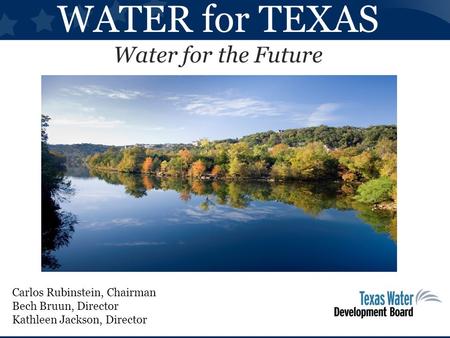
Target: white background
(241, 303)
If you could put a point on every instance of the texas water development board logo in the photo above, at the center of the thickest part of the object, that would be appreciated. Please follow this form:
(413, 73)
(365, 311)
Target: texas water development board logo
(388, 304)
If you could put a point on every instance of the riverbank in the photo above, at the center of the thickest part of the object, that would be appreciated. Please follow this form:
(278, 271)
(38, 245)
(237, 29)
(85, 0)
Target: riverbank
(341, 185)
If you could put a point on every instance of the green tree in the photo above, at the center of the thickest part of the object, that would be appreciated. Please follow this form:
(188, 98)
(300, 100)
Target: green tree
(163, 167)
(386, 150)
(240, 151)
(364, 164)
(175, 167)
(220, 154)
(261, 152)
(375, 191)
(237, 169)
(132, 160)
(281, 170)
(313, 162)
(259, 169)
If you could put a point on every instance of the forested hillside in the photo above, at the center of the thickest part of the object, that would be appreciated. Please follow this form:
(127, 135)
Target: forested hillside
(332, 137)
(75, 154)
(365, 157)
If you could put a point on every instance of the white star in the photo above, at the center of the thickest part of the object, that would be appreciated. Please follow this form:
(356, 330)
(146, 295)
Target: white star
(7, 25)
(43, 21)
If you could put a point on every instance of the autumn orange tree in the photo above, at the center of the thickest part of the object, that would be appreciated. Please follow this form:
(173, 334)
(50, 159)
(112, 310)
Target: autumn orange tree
(147, 165)
(186, 158)
(217, 171)
(198, 168)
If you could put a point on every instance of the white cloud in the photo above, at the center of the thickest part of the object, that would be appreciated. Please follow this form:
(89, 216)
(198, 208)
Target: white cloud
(220, 106)
(321, 114)
(127, 221)
(173, 98)
(222, 215)
(87, 122)
(121, 94)
(114, 223)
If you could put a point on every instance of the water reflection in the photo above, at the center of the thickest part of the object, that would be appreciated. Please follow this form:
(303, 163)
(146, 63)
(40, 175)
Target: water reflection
(312, 199)
(57, 225)
(57, 230)
(145, 223)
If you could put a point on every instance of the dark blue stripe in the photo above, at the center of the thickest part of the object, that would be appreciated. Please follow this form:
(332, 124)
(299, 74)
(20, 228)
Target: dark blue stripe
(397, 20)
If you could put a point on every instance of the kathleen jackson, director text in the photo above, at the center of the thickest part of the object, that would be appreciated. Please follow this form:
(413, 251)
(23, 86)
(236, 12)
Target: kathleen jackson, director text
(70, 317)
(78, 320)
(68, 292)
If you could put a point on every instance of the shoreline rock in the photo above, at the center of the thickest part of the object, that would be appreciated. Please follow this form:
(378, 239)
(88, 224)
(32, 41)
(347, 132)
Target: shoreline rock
(388, 206)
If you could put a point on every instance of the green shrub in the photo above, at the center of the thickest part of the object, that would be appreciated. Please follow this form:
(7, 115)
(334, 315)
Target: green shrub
(375, 191)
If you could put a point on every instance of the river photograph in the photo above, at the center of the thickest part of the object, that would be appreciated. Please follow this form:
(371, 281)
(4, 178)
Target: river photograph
(219, 173)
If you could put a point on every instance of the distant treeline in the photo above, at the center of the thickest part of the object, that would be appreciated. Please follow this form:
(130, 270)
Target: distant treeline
(76, 154)
(358, 155)
(330, 136)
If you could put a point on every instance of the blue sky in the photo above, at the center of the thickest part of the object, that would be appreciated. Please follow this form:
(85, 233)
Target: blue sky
(120, 110)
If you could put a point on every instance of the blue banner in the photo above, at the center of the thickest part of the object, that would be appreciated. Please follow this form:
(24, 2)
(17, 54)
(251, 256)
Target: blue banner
(216, 20)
